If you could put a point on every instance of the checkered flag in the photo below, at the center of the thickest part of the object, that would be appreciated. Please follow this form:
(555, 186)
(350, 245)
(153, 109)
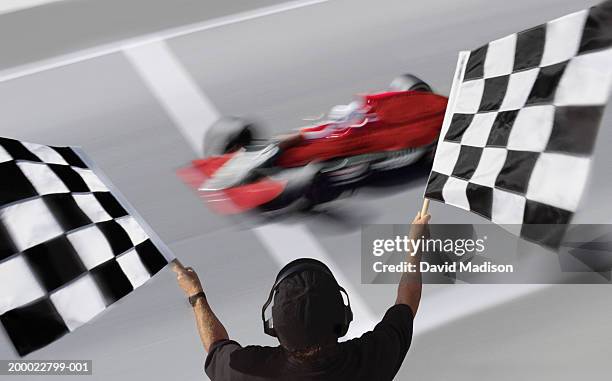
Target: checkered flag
(521, 124)
(70, 246)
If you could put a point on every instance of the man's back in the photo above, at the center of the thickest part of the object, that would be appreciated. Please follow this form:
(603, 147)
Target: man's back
(377, 355)
(309, 315)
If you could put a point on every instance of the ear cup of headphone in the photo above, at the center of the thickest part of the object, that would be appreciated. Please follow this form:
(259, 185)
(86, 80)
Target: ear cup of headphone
(348, 313)
(348, 318)
(268, 330)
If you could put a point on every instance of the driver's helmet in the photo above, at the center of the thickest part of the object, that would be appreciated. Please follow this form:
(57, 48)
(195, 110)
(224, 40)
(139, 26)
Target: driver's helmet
(346, 114)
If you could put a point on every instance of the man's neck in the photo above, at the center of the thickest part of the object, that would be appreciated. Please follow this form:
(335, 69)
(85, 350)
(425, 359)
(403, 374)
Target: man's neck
(315, 356)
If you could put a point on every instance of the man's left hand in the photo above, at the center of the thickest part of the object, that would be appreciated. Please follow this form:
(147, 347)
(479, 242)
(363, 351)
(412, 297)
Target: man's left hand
(187, 279)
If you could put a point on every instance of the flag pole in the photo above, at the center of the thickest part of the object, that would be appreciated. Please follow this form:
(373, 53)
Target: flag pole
(425, 206)
(457, 79)
(178, 263)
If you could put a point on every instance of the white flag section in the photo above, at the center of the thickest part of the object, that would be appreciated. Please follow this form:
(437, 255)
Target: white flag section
(70, 245)
(522, 122)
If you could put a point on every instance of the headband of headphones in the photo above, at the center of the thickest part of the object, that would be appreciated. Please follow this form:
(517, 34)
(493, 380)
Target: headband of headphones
(297, 266)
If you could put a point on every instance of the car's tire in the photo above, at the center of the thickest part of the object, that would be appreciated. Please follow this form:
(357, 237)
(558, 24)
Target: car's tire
(321, 190)
(227, 135)
(409, 82)
(309, 187)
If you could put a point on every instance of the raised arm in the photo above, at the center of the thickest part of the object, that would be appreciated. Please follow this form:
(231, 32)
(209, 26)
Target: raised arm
(410, 286)
(209, 327)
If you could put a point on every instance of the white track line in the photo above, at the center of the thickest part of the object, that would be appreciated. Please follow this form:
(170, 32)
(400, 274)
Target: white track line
(193, 113)
(115, 47)
(7, 6)
(190, 110)
(463, 300)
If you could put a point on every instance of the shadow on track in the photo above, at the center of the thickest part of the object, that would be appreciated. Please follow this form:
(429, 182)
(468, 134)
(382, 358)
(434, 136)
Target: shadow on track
(335, 217)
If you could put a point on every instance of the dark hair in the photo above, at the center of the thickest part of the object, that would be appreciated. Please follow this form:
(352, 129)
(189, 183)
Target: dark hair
(307, 354)
(314, 353)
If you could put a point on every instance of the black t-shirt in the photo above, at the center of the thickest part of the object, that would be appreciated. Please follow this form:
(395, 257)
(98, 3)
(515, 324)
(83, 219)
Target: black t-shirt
(376, 355)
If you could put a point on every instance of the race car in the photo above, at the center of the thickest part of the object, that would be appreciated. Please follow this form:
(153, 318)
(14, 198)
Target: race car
(375, 133)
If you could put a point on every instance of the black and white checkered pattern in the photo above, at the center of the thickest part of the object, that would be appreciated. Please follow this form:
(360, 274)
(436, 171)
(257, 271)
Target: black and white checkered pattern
(68, 247)
(523, 124)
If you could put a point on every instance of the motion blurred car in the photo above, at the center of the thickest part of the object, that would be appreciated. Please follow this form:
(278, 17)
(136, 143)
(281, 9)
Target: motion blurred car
(375, 133)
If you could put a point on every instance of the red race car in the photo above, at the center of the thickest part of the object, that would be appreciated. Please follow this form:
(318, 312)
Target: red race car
(376, 133)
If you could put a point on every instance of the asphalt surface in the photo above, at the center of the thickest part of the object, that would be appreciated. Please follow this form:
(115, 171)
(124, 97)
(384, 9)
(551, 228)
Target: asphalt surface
(278, 69)
(56, 29)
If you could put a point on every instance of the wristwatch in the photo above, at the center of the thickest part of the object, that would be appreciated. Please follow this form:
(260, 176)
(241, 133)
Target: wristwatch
(194, 298)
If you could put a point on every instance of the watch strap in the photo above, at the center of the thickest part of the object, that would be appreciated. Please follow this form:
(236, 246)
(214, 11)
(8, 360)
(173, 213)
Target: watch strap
(194, 298)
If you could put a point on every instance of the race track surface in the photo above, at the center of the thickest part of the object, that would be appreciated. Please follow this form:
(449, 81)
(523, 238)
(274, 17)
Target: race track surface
(141, 112)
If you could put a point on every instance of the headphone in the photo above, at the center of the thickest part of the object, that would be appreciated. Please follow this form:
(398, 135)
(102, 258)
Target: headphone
(294, 267)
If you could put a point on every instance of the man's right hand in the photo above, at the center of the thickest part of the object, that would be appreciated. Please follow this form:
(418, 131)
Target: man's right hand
(187, 279)
(419, 226)
(409, 289)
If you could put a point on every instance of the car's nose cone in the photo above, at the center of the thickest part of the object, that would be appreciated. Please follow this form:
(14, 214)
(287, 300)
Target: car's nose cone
(238, 168)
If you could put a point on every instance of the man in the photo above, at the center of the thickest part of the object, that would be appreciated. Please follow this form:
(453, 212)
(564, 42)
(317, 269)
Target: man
(308, 317)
